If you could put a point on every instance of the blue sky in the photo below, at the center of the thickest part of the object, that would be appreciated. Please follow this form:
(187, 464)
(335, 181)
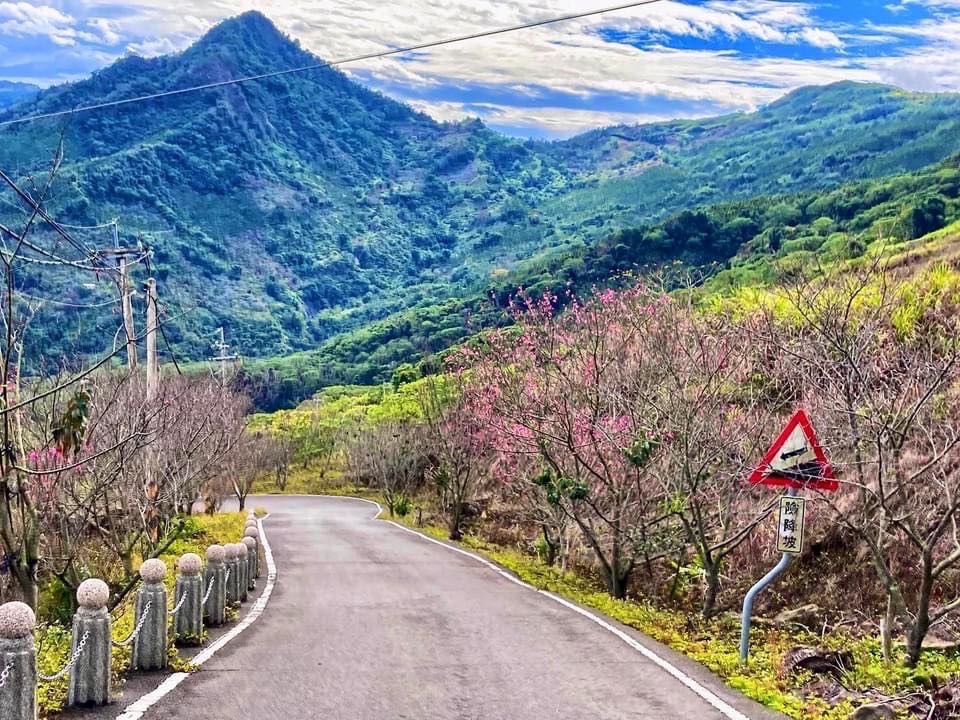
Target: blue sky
(670, 59)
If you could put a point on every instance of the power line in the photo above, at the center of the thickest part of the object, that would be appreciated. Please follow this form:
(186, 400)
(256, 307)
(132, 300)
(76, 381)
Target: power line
(104, 226)
(62, 303)
(332, 63)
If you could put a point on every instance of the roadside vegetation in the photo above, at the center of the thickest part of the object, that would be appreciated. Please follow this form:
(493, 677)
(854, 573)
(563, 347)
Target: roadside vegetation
(600, 451)
(103, 466)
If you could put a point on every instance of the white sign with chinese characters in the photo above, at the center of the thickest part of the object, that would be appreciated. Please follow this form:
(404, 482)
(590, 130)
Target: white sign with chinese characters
(790, 530)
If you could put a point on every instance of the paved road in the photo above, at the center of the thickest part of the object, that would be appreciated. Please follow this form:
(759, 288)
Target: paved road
(369, 622)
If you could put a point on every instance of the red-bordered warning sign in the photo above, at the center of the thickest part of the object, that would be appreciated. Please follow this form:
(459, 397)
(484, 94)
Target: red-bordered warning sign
(796, 459)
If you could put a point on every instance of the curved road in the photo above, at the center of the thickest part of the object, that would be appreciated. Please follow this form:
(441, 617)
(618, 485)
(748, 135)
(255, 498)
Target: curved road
(371, 622)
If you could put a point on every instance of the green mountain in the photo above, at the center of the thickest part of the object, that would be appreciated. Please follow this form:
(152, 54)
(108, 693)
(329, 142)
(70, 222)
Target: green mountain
(297, 210)
(740, 244)
(14, 92)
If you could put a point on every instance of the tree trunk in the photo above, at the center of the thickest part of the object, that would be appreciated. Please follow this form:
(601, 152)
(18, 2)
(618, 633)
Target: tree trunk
(617, 581)
(456, 517)
(243, 502)
(711, 589)
(886, 631)
(551, 546)
(921, 624)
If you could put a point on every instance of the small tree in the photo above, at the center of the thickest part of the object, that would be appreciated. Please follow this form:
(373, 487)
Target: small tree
(878, 364)
(711, 414)
(553, 391)
(457, 446)
(390, 457)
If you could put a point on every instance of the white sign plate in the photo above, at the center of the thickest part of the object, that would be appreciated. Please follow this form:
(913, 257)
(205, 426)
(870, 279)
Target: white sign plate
(790, 529)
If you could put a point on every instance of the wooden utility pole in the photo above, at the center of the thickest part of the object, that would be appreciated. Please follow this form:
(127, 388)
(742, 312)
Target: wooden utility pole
(126, 296)
(150, 486)
(123, 256)
(221, 347)
(153, 365)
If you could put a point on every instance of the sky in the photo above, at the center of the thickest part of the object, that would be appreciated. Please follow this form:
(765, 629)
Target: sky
(666, 60)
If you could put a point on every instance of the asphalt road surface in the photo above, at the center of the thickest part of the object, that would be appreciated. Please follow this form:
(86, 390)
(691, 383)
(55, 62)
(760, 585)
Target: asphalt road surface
(370, 622)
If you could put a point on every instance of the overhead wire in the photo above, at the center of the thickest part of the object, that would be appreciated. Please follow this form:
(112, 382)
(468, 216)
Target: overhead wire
(331, 63)
(104, 226)
(62, 303)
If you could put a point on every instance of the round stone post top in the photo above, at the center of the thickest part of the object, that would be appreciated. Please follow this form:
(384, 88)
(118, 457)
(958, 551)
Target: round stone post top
(93, 593)
(189, 564)
(16, 620)
(250, 523)
(216, 553)
(249, 543)
(251, 532)
(230, 551)
(153, 571)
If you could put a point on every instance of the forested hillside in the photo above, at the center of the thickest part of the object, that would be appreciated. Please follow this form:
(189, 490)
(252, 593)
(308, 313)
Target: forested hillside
(743, 243)
(300, 208)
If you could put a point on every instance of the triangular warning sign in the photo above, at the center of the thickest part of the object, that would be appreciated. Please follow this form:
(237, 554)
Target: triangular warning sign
(796, 459)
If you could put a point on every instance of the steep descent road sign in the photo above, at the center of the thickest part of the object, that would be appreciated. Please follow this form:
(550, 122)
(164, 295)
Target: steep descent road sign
(796, 459)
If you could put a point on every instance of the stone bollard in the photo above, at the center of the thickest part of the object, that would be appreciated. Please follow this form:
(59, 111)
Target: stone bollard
(188, 596)
(18, 662)
(215, 587)
(90, 677)
(251, 546)
(252, 532)
(232, 563)
(150, 644)
(244, 578)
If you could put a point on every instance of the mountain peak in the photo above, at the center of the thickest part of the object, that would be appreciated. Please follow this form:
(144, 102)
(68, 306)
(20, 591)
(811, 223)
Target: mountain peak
(252, 32)
(251, 20)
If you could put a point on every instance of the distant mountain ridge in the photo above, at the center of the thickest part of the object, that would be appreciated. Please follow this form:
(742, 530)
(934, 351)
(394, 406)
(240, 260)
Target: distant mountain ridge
(14, 92)
(303, 206)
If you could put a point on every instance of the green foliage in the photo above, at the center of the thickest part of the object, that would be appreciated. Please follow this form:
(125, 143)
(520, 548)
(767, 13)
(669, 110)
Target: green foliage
(402, 506)
(739, 244)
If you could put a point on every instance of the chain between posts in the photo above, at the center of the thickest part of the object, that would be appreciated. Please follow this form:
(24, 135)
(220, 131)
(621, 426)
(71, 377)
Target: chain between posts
(183, 599)
(206, 596)
(137, 629)
(6, 673)
(73, 660)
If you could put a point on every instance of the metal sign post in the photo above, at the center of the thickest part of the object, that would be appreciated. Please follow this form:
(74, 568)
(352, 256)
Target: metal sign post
(795, 461)
(785, 560)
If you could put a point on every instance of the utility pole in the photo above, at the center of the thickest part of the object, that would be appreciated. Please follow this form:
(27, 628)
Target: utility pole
(221, 347)
(126, 297)
(123, 256)
(151, 487)
(153, 365)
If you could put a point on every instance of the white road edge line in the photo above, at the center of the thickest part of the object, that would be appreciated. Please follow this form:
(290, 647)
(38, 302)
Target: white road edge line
(712, 698)
(136, 710)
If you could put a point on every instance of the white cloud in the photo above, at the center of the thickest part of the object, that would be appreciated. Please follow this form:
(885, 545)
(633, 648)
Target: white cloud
(572, 58)
(159, 46)
(105, 29)
(555, 121)
(821, 38)
(25, 19)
